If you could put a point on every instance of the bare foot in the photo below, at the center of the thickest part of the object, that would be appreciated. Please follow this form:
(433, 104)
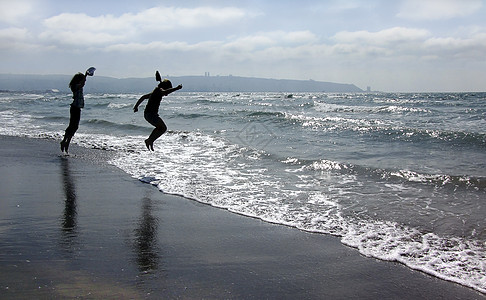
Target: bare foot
(149, 145)
(64, 146)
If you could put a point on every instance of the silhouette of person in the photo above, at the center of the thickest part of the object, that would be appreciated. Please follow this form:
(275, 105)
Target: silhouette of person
(151, 113)
(76, 85)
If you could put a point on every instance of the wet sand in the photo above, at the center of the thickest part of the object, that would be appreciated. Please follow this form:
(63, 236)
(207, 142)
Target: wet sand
(77, 227)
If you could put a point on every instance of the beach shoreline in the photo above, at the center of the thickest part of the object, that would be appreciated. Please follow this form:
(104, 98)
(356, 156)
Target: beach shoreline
(75, 226)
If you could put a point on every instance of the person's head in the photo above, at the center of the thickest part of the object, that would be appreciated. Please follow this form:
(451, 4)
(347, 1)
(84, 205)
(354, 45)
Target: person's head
(77, 79)
(165, 84)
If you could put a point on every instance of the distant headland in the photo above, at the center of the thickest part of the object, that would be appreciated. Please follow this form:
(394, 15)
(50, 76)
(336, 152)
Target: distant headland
(101, 84)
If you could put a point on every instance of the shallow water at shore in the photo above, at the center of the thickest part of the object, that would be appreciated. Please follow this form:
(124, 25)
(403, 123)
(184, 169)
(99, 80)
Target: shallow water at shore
(76, 227)
(398, 176)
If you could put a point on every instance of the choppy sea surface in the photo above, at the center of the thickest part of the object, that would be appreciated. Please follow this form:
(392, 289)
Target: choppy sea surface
(400, 177)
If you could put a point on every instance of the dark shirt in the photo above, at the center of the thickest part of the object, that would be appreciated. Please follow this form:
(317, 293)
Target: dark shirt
(154, 101)
(78, 96)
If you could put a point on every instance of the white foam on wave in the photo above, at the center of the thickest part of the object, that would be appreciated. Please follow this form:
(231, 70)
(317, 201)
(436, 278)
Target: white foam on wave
(325, 107)
(10, 120)
(335, 123)
(452, 259)
(331, 107)
(214, 171)
(119, 105)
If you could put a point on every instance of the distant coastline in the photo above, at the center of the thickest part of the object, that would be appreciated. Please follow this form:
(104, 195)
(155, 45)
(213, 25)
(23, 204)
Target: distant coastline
(102, 84)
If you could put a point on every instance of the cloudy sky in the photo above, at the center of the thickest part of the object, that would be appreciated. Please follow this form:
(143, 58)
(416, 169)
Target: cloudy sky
(409, 45)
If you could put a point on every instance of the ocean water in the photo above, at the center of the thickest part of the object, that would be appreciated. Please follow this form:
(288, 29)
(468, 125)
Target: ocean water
(399, 177)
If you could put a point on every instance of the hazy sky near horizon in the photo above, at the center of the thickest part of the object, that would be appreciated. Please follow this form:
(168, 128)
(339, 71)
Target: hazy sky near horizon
(408, 45)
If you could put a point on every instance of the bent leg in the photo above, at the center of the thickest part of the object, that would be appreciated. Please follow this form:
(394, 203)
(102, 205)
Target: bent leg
(159, 130)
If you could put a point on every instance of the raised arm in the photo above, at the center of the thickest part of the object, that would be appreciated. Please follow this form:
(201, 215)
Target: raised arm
(135, 108)
(168, 91)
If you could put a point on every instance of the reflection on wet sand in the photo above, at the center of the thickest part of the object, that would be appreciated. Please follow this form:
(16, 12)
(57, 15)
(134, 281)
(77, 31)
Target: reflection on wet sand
(145, 243)
(69, 217)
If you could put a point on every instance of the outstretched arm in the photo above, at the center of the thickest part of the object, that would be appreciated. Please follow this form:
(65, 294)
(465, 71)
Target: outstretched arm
(168, 91)
(135, 108)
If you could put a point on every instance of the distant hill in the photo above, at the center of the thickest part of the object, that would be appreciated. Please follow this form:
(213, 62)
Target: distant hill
(101, 84)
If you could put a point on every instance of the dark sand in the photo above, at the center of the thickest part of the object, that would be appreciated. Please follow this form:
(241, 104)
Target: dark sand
(77, 227)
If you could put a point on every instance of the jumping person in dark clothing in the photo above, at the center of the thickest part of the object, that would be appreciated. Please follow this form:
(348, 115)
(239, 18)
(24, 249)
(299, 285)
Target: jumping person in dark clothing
(76, 85)
(151, 113)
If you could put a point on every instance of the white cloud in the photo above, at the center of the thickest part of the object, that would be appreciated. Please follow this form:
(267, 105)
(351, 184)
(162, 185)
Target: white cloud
(398, 43)
(265, 40)
(81, 21)
(77, 29)
(159, 47)
(12, 38)
(13, 34)
(265, 44)
(472, 47)
(300, 37)
(391, 36)
(13, 11)
(409, 43)
(347, 41)
(438, 9)
(249, 43)
(80, 38)
(199, 17)
(391, 42)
